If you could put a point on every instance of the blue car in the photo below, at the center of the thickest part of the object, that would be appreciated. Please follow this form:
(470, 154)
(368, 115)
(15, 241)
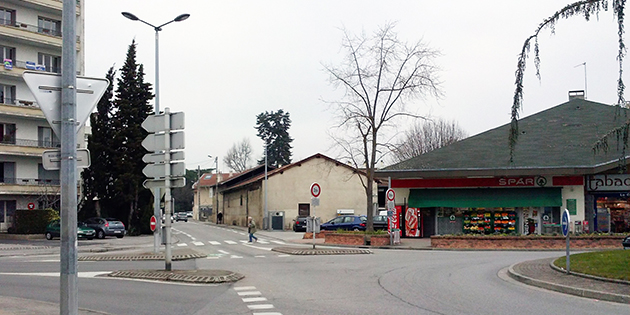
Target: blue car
(346, 222)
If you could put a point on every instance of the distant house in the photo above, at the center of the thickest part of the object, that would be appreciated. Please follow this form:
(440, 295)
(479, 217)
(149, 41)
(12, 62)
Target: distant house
(471, 186)
(205, 197)
(287, 192)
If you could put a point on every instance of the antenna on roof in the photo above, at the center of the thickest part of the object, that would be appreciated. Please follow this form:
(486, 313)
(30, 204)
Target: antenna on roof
(583, 64)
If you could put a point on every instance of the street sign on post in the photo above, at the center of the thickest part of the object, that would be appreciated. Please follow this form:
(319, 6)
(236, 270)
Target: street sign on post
(565, 222)
(153, 223)
(156, 123)
(159, 183)
(161, 157)
(51, 159)
(157, 141)
(158, 170)
(315, 190)
(46, 88)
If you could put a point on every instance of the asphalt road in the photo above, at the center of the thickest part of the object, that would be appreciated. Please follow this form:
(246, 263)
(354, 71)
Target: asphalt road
(385, 282)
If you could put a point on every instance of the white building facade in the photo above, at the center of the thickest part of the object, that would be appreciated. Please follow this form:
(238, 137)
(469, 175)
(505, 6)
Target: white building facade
(30, 39)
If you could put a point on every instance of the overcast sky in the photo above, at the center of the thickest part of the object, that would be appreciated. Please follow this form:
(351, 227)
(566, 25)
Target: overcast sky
(232, 60)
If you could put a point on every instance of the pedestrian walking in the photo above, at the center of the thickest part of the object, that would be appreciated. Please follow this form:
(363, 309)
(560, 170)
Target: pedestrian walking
(219, 217)
(251, 229)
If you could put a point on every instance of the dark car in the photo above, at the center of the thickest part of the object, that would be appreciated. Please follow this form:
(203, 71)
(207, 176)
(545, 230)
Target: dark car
(181, 216)
(53, 229)
(346, 222)
(626, 242)
(299, 224)
(380, 222)
(106, 227)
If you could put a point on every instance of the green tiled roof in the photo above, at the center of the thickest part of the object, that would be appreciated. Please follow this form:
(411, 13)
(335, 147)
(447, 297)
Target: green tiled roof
(560, 137)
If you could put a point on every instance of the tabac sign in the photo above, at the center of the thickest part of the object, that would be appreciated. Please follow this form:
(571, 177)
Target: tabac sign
(619, 182)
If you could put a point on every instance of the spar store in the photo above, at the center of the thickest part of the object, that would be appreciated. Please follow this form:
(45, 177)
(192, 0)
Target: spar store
(476, 186)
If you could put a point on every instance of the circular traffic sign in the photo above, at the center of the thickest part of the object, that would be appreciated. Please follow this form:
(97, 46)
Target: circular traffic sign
(31, 206)
(315, 190)
(153, 223)
(564, 223)
(391, 195)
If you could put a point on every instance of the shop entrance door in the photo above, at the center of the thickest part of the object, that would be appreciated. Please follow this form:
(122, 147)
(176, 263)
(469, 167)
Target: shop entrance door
(428, 222)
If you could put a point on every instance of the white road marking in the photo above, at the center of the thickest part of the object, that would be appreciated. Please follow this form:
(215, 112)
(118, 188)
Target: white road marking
(235, 256)
(267, 313)
(182, 244)
(279, 242)
(254, 299)
(199, 243)
(262, 242)
(86, 274)
(231, 242)
(260, 256)
(260, 306)
(284, 255)
(214, 243)
(244, 288)
(248, 293)
(223, 252)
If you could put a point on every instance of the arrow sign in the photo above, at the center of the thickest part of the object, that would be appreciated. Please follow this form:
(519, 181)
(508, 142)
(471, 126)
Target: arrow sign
(155, 141)
(46, 88)
(158, 170)
(161, 157)
(564, 222)
(160, 183)
(157, 123)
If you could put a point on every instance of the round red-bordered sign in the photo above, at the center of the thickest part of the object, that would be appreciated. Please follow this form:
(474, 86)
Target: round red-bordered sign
(315, 190)
(31, 206)
(153, 223)
(391, 195)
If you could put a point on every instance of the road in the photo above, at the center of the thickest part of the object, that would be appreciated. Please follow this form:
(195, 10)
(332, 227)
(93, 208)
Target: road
(385, 282)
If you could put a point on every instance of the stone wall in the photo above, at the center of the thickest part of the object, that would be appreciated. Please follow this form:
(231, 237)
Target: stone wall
(527, 242)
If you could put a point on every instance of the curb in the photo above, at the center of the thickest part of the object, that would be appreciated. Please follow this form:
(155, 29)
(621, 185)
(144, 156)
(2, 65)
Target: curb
(604, 296)
(185, 276)
(320, 251)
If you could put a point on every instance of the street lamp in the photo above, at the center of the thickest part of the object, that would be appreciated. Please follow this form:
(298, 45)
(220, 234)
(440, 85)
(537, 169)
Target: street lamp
(156, 191)
(216, 186)
(157, 29)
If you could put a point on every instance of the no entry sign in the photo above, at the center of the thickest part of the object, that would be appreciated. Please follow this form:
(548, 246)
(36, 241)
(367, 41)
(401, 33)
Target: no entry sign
(153, 223)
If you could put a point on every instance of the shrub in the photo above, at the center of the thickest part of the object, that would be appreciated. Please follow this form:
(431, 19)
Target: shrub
(33, 221)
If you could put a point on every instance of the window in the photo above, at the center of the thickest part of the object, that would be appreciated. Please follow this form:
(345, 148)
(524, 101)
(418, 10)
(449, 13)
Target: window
(7, 53)
(46, 138)
(52, 63)
(7, 94)
(7, 133)
(49, 26)
(241, 200)
(7, 172)
(7, 16)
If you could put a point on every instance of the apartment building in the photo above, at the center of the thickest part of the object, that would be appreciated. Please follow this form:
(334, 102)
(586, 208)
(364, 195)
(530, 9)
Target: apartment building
(30, 39)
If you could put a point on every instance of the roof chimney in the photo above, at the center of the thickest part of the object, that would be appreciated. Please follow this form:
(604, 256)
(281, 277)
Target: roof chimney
(577, 94)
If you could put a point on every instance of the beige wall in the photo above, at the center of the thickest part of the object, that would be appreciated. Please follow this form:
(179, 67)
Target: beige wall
(237, 205)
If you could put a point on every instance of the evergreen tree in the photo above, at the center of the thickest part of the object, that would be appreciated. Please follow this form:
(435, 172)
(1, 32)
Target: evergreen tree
(132, 108)
(97, 181)
(273, 129)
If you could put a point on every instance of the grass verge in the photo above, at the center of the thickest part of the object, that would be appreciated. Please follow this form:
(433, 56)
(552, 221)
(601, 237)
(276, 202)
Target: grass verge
(613, 264)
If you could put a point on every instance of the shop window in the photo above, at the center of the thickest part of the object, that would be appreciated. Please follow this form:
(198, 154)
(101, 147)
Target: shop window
(490, 221)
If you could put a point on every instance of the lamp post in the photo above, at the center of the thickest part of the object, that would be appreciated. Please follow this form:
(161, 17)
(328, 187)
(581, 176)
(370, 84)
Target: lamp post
(216, 185)
(156, 191)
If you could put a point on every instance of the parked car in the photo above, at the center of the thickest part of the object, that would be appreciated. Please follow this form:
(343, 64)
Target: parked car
(181, 216)
(106, 227)
(380, 222)
(53, 229)
(626, 242)
(299, 224)
(346, 222)
(189, 214)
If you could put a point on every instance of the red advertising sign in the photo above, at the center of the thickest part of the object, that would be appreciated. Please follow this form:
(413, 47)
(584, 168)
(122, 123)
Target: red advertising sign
(412, 222)
(393, 222)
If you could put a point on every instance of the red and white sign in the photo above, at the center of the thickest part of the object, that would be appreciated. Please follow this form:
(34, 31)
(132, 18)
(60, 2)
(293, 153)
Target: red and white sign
(393, 222)
(31, 206)
(391, 195)
(315, 190)
(153, 223)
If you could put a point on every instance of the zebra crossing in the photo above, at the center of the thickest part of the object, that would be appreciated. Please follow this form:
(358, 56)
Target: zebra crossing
(194, 243)
(258, 304)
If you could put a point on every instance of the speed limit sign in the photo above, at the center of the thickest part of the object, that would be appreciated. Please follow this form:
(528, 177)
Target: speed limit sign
(391, 195)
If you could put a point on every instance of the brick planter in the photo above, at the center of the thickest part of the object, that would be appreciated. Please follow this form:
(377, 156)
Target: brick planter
(526, 242)
(355, 239)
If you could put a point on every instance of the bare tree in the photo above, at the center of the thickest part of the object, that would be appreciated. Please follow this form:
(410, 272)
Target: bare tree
(238, 158)
(426, 136)
(380, 74)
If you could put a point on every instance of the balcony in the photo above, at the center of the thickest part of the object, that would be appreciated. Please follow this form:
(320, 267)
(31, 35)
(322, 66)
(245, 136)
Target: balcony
(55, 5)
(31, 34)
(20, 108)
(25, 147)
(29, 186)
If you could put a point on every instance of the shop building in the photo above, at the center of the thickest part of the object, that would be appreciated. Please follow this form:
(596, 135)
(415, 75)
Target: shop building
(473, 187)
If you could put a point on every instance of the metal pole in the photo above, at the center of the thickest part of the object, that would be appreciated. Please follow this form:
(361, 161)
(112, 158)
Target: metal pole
(265, 214)
(69, 301)
(216, 188)
(157, 240)
(167, 190)
(568, 256)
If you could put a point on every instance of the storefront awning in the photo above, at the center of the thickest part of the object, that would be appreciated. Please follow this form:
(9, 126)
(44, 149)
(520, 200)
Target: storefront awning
(486, 197)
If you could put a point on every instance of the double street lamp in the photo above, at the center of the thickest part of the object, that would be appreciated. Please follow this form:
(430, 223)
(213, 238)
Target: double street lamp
(156, 191)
